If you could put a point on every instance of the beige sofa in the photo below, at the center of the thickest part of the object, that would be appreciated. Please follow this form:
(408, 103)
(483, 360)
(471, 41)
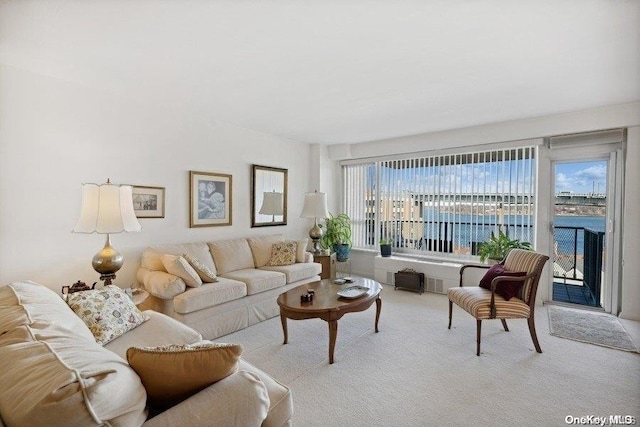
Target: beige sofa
(246, 289)
(54, 373)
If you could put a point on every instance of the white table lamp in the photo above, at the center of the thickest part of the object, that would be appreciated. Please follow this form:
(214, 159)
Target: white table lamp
(315, 206)
(107, 209)
(272, 204)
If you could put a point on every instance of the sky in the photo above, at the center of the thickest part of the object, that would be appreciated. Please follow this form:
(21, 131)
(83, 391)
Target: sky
(582, 177)
(574, 177)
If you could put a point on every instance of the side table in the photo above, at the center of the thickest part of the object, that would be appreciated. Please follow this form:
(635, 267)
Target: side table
(328, 265)
(138, 295)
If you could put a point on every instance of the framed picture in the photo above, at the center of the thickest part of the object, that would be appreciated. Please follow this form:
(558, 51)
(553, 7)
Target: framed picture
(268, 196)
(210, 199)
(148, 202)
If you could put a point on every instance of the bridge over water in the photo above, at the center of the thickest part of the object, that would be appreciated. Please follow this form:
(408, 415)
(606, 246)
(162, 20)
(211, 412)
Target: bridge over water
(468, 198)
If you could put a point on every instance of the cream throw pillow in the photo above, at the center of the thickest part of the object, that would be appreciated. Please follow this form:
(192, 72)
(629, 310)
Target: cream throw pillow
(108, 312)
(283, 253)
(178, 266)
(205, 273)
(172, 373)
(301, 250)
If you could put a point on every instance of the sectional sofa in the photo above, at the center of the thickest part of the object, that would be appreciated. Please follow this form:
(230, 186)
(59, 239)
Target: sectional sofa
(245, 288)
(54, 373)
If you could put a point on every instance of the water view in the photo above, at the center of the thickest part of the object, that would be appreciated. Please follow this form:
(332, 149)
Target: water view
(469, 230)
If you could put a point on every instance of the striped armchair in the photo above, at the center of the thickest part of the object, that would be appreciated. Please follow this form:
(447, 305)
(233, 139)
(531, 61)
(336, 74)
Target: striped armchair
(487, 304)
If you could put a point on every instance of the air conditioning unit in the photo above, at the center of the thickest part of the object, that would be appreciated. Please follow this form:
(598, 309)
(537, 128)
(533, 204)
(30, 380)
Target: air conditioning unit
(439, 276)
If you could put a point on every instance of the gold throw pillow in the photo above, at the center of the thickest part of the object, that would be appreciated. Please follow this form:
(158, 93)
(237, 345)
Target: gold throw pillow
(172, 373)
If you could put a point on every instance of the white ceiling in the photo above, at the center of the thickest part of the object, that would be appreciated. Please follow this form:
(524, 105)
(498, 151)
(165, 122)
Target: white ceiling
(341, 71)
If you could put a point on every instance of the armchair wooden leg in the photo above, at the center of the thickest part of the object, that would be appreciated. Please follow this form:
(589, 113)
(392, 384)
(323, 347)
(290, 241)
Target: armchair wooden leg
(504, 324)
(450, 312)
(479, 323)
(534, 337)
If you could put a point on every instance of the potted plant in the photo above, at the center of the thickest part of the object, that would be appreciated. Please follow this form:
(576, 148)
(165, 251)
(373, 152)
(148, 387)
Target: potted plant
(497, 246)
(337, 236)
(385, 247)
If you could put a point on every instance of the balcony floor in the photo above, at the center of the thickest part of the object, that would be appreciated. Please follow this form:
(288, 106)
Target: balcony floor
(573, 294)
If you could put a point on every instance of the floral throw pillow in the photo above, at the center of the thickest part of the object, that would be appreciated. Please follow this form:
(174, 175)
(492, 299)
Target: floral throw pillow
(108, 312)
(283, 253)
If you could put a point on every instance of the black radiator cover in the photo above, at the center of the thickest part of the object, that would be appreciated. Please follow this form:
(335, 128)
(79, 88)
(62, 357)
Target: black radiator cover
(410, 280)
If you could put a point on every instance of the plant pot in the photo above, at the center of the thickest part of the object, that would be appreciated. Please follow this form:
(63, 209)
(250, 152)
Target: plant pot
(385, 250)
(342, 252)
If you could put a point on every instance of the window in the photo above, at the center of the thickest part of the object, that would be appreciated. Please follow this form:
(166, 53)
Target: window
(446, 203)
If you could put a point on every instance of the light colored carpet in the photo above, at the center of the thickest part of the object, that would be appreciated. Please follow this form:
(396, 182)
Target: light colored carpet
(416, 372)
(590, 327)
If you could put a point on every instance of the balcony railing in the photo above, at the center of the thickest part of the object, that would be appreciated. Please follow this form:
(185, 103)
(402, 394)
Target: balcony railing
(443, 236)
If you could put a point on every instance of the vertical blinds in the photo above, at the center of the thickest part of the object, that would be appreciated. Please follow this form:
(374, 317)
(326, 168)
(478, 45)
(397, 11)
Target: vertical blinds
(444, 203)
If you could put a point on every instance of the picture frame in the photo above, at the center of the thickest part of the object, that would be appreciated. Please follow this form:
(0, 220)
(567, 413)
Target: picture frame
(148, 202)
(210, 199)
(268, 196)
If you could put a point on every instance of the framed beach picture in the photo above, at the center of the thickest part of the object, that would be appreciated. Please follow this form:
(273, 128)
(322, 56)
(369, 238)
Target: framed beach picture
(210, 199)
(148, 202)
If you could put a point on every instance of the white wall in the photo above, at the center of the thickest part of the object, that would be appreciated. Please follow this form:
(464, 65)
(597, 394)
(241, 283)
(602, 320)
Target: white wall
(631, 232)
(55, 136)
(627, 115)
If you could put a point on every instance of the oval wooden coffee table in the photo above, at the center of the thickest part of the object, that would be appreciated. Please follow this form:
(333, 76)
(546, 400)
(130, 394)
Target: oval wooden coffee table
(327, 305)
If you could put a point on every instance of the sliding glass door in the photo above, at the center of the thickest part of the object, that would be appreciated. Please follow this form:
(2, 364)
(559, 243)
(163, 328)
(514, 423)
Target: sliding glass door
(585, 219)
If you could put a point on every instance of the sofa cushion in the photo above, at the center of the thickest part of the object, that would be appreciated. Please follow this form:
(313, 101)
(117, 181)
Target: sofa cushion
(200, 250)
(108, 312)
(261, 247)
(52, 374)
(161, 284)
(258, 280)
(283, 253)
(160, 329)
(179, 266)
(28, 303)
(151, 260)
(281, 407)
(248, 407)
(231, 255)
(477, 302)
(172, 373)
(208, 295)
(297, 271)
(206, 274)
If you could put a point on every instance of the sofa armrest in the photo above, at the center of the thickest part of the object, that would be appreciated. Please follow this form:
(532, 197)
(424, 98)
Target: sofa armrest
(240, 399)
(160, 283)
(308, 257)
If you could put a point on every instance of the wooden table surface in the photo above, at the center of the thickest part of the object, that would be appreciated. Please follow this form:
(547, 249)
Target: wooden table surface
(327, 305)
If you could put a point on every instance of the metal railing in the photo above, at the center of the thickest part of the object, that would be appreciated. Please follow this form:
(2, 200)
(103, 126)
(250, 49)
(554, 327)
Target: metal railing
(443, 236)
(578, 258)
(565, 252)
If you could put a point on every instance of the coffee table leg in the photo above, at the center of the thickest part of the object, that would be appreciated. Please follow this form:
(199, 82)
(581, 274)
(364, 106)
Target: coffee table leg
(333, 333)
(283, 320)
(378, 309)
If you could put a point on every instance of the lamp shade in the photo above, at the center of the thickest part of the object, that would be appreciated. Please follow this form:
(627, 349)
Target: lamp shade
(272, 203)
(315, 205)
(106, 209)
